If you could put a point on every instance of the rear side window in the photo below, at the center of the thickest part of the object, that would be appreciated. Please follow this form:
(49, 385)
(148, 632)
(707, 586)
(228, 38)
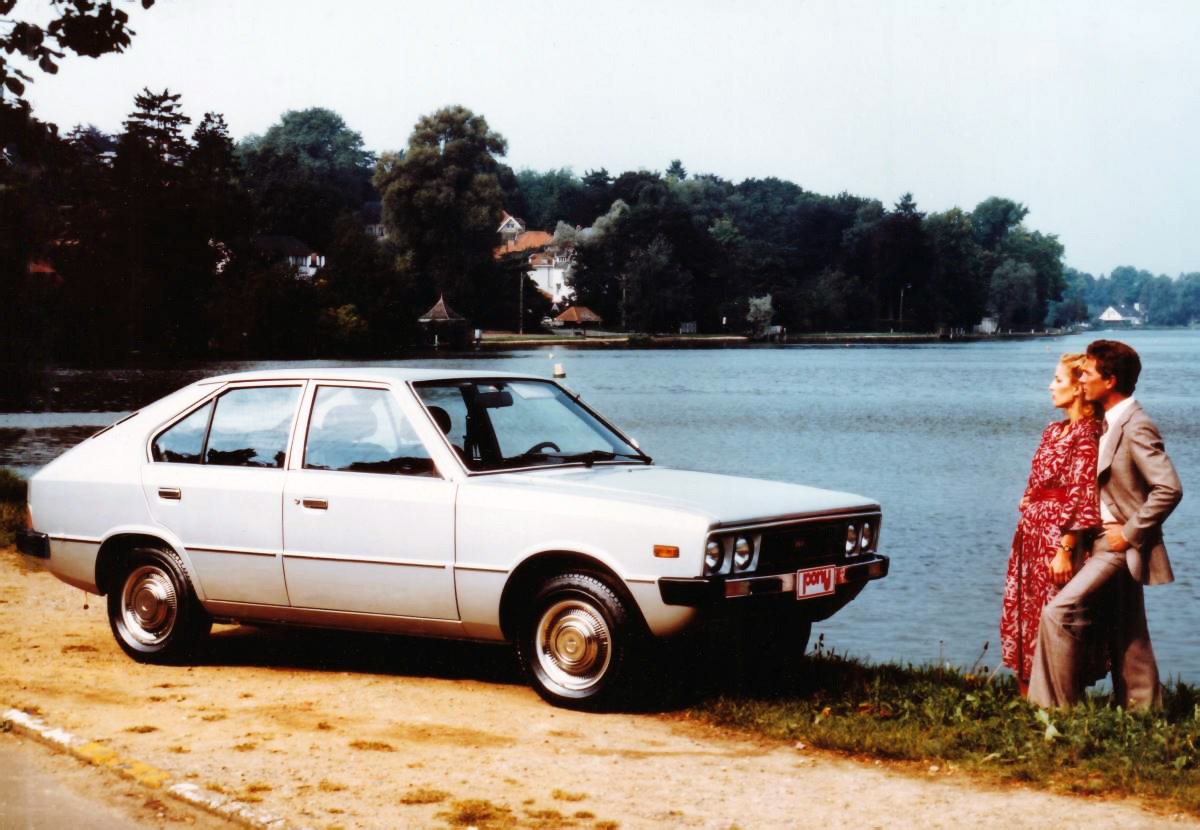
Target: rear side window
(184, 442)
(242, 428)
(363, 431)
(250, 427)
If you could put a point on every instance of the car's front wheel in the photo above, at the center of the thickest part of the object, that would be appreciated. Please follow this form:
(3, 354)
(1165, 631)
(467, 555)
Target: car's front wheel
(576, 644)
(152, 609)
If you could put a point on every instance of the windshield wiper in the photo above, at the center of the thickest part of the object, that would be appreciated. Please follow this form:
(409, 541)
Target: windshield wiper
(592, 456)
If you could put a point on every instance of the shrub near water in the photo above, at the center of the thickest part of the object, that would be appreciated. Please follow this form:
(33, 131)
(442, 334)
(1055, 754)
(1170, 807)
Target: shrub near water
(954, 718)
(12, 504)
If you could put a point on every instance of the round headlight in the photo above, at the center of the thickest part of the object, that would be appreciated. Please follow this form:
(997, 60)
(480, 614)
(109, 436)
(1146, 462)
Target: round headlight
(851, 539)
(742, 553)
(867, 538)
(713, 555)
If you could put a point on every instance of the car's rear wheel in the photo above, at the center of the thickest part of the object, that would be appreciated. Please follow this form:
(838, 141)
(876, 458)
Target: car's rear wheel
(577, 642)
(152, 609)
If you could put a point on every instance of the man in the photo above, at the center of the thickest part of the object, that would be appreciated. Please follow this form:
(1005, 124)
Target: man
(1138, 490)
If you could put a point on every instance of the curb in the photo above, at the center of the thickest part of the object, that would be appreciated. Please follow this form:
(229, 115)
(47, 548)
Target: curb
(97, 754)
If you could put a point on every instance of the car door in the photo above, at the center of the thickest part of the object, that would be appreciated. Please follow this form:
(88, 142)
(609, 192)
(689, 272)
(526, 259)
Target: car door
(368, 521)
(216, 481)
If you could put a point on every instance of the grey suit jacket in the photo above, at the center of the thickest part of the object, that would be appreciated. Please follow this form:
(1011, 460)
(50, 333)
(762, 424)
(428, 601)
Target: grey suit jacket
(1139, 484)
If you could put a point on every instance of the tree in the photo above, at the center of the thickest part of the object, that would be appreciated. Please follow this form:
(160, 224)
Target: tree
(993, 218)
(214, 175)
(551, 197)
(89, 28)
(676, 172)
(1160, 299)
(958, 289)
(1043, 253)
(157, 126)
(322, 144)
(29, 155)
(1013, 293)
(759, 313)
(304, 172)
(443, 200)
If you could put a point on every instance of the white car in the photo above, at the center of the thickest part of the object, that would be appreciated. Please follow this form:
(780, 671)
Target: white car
(468, 505)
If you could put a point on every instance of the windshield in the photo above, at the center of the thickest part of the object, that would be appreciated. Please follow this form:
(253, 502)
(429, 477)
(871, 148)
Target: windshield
(505, 424)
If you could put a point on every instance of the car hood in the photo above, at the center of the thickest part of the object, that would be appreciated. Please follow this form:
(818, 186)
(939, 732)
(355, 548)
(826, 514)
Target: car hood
(720, 498)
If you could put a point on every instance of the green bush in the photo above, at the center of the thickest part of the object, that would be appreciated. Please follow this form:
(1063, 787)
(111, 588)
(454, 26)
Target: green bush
(12, 486)
(12, 504)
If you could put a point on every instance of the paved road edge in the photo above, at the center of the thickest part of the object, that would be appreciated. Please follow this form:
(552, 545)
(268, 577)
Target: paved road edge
(98, 754)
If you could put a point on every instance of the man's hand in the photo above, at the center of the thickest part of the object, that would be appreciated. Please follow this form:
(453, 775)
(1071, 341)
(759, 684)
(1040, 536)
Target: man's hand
(1061, 569)
(1116, 539)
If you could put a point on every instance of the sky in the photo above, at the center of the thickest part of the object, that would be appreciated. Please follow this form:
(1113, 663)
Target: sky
(1085, 111)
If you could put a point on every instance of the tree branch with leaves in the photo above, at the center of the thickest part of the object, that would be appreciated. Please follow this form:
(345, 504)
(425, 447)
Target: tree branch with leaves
(82, 27)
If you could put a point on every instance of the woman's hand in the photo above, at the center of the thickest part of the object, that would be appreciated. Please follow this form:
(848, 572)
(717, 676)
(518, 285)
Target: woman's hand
(1061, 569)
(1024, 503)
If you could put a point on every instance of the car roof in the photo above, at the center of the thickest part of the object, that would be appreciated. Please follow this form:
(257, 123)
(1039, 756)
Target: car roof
(382, 374)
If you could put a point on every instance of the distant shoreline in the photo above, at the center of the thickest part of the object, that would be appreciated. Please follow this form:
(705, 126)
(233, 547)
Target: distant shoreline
(505, 341)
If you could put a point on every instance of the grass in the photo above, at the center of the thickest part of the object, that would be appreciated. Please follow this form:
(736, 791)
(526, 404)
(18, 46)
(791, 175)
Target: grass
(371, 746)
(479, 813)
(563, 795)
(424, 795)
(957, 720)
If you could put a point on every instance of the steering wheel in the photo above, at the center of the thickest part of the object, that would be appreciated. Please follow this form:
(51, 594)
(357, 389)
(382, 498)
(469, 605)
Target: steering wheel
(545, 445)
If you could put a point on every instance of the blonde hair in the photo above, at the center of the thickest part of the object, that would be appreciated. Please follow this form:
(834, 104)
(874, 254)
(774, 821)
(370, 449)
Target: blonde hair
(1073, 363)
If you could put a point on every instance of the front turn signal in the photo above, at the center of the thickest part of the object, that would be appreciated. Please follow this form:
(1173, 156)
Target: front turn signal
(666, 552)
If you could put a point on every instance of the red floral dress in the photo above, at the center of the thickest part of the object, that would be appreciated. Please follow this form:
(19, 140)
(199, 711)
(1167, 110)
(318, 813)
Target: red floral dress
(1062, 495)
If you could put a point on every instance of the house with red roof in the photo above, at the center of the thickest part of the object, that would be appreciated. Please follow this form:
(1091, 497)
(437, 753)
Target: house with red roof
(550, 262)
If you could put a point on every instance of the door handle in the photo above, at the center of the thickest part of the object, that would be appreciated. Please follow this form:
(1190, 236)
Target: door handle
(315, 504)
(171, 493)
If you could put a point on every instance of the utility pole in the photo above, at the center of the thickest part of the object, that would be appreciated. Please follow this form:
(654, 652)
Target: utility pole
(520, 302)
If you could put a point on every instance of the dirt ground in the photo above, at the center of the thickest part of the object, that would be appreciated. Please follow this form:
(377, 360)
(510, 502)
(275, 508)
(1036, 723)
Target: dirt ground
(334, 730)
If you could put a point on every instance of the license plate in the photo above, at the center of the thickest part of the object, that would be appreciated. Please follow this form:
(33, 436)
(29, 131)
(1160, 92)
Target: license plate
(816, 582)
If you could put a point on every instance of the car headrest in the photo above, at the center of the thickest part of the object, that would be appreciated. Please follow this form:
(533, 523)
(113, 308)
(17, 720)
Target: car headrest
(441, 417)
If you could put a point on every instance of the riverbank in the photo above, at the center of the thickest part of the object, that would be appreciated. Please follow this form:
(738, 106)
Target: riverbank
(604, 339)
(939, 719)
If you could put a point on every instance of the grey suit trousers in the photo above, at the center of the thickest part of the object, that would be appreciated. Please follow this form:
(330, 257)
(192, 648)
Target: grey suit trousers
(1102, 600)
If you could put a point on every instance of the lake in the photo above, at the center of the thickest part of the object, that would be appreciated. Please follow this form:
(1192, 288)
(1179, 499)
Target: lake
(940, 435)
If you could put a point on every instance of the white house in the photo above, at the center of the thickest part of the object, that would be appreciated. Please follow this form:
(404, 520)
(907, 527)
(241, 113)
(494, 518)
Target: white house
(295, 253)
(1123, 315)
(510, 228)
(550, 270)
(550, 262)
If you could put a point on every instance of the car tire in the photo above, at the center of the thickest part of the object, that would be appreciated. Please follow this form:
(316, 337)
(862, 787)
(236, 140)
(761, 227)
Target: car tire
(576, 644)
(152, 609)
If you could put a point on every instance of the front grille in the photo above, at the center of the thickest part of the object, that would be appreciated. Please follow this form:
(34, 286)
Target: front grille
(807, 545)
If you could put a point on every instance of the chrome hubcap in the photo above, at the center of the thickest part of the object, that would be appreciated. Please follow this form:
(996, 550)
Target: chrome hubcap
(573, 644)
(149, 605)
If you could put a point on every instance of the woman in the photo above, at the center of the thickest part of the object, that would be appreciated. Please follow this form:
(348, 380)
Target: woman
(1060, 506)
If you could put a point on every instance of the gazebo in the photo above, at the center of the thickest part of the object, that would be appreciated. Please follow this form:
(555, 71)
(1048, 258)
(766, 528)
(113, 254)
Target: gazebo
(442, 324)
(579, 316)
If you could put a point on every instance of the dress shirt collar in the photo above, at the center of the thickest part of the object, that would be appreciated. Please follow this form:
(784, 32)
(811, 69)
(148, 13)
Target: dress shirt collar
(1111, 416)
